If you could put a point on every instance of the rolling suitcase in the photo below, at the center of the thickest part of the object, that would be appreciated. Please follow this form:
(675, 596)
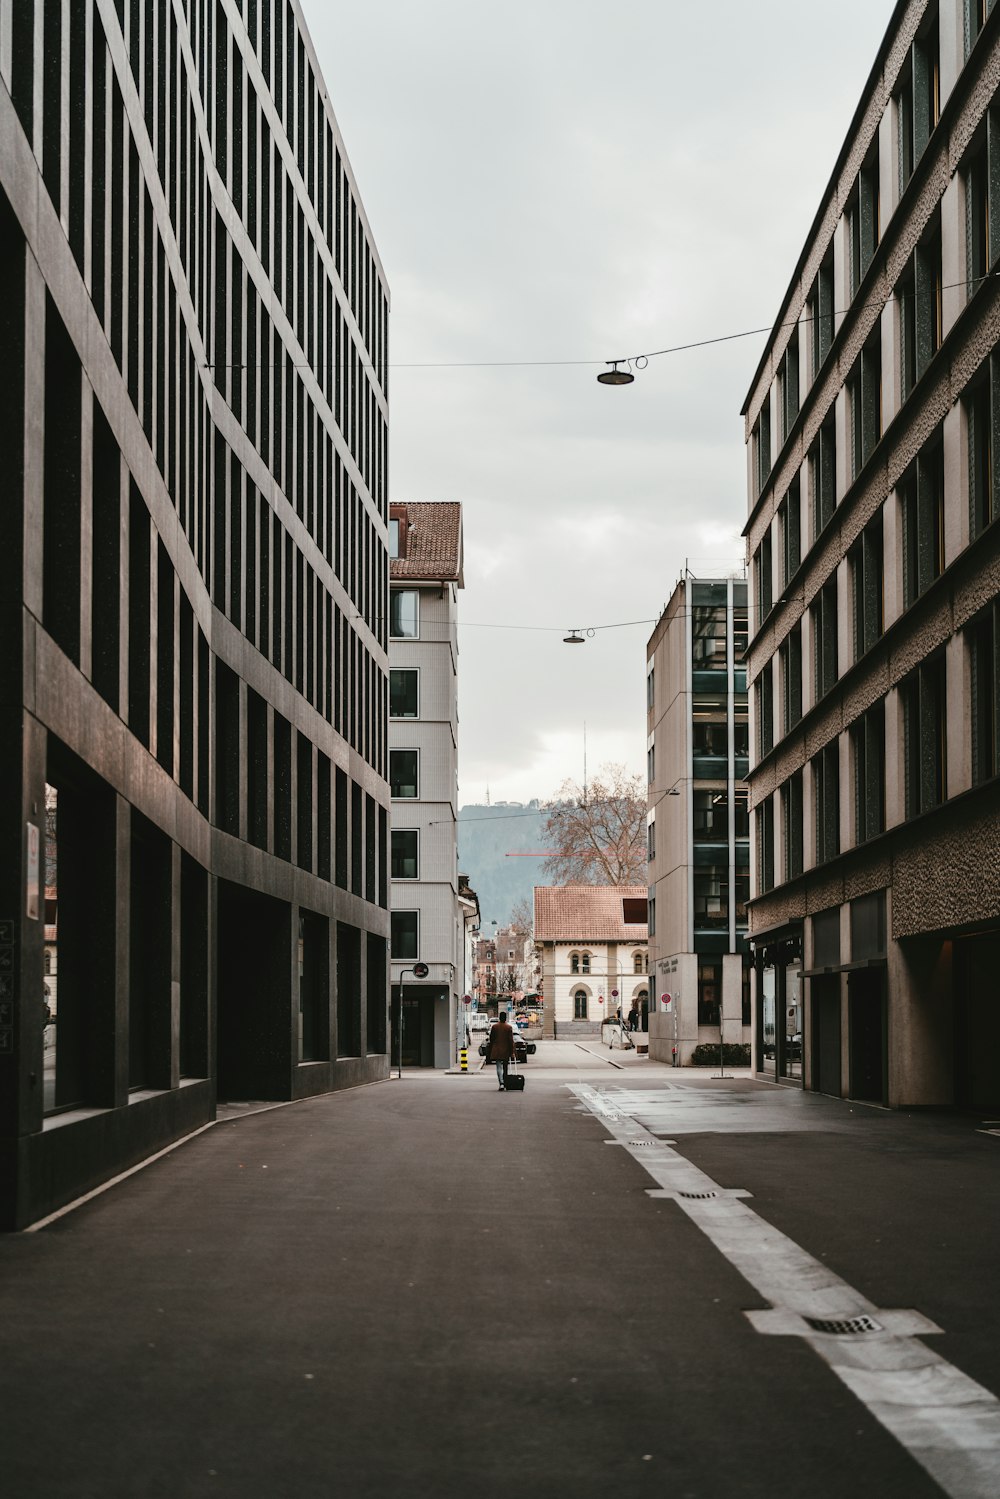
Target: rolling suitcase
(515, 1079)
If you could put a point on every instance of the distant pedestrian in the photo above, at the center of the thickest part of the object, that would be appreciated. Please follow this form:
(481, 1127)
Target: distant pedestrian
(500, 1049)
(633, 1018)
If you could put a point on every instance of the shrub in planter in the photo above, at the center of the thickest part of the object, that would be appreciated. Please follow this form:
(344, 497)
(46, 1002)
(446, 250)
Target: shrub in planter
(733, 1055)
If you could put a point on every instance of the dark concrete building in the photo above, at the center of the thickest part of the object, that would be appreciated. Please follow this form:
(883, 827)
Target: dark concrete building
(873, 432)
(193, 533)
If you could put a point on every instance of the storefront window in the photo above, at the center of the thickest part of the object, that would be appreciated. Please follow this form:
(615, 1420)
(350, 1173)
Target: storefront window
(767, 1019)
(791, 1053)
(709, 992)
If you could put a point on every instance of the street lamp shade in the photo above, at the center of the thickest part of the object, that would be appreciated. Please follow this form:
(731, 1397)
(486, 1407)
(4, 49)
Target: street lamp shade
(573, 638)
(615, 376)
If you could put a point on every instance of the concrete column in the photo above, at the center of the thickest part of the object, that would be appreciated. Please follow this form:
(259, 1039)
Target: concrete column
(953, 231)
(895, 768)
(956, 482)
(892, 555)
(958, 716)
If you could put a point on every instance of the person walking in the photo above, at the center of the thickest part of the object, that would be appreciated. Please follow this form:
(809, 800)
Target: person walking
(500, 1049)
(633, 1017)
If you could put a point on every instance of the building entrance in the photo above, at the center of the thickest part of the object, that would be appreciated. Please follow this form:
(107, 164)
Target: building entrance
(254, 987)
(866, 1017)
(977, 1021)
(826, 1034)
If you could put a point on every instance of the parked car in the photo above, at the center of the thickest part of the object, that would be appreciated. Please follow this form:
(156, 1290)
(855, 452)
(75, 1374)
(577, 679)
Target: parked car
(522, 1049)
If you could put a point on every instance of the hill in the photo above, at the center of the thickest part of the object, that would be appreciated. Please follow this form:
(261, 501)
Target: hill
(486, 836)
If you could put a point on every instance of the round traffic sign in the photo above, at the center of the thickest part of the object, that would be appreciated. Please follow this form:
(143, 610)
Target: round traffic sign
(466, 999)
(420, 970)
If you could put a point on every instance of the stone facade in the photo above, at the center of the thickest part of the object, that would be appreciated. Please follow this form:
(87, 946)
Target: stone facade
(194, 430)
(873, 435)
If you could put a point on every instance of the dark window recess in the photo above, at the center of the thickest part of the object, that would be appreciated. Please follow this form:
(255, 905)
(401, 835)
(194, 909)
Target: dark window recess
(820, 313)
(227, 749)
(984, 662)
(863, 215)
(788, 384)
(922, 505)
(304, 803)
(867, 574)
(383, 858)
(257, 778)
(313, 987)
(790, 526)
(405, 864)
(166, 654)
(138, 615)
(982, 406)
(764, 689)
(357, 840)
(150, 957)
(61, 489)
(341, 828)
(282, 786)
(924, 737)
(376, 993)
(826, 794)
(51, 97)
(709, 992)
(790, 654)
(404, 930)
(824, 623)
(348, 990)
(324, 813)
(823, 474)
(765, 845)
(194, 996)
(865, 392)
(371, 859)
(918, 99)
(404, 699)
(107, 561)
(763, 567)
(868, 737)
(791, 810)
(919, 292)
(761, 445)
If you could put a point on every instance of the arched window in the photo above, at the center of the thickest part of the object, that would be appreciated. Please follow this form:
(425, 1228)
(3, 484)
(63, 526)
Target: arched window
(586, 963)
(638, 962)
(574, 962)
(580, 1005)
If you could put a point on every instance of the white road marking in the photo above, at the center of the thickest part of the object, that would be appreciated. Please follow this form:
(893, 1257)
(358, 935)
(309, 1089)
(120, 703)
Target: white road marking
(945, 1420)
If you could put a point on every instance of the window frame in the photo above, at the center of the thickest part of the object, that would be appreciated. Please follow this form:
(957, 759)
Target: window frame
(393, 922)
(404, 750)
(413, 833)
(401, 593)
(399, 671)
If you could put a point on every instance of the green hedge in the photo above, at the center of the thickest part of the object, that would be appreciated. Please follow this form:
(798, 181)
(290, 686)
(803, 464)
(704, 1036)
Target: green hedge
(707, 1055)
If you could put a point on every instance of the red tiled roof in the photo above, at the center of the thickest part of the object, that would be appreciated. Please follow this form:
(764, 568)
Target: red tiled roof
(433, 540)
(580, 913)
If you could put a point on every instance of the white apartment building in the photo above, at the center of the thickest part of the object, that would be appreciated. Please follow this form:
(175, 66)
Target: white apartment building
(427, 918)
(591, 940)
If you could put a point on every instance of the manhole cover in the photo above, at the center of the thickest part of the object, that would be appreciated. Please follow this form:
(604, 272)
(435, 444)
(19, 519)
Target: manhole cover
(844, 1325)
(698, 1195)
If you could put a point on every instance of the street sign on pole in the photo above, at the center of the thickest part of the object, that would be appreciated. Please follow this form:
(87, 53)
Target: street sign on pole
(420, 970)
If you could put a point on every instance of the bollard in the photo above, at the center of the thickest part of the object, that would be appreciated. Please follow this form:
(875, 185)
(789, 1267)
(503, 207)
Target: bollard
(463, 1058)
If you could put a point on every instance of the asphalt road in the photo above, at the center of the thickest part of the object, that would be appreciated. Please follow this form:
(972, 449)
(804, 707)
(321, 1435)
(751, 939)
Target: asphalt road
(428, 1287)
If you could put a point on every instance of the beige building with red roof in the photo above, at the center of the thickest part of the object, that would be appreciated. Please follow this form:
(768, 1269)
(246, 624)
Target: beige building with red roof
(427, 917)
(592, 942)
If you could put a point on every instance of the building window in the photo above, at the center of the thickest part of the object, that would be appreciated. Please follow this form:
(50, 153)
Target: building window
(404, 613)
(709, 992)
(984, 660)
(788, 384)
(650, 842)
(762, 568)
(404, 692)
(790, 658)
(918, 291)
(819, 312)
(823, 477)
(976, 12)
(405, 865)
(760, 440)
(708, 638)
(741, 737)
(650, 689)
(864, 219)
(580, 1005)
(585, 962)
(740, 625)
(791, 809)
(918, 100)
(867, 575)
(868, 736)
(651, 914)
(764, 690)
(824, 622)
(638, 962)
(711, 898)
(924, 741)
(982, 406)
(574, 962)
(921, 496)
(404, 926)
(864, 386)
(710, 810)
(404, 767)
(765, 845)
(826, 795)
(393, 538)
(651, 764)
(790, 526)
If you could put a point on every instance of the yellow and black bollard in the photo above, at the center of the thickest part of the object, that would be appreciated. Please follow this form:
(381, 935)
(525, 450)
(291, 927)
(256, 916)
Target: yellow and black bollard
(463, 1057)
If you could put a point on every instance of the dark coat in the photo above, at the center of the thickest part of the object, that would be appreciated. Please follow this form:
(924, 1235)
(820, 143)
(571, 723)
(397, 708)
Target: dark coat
(500, 1046)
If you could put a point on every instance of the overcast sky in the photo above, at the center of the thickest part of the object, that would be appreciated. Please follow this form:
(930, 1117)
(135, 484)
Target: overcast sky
(562, 180)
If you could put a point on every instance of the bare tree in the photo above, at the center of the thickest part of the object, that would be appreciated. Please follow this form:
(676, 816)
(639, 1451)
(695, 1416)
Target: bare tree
(522, 917)
(597, 834)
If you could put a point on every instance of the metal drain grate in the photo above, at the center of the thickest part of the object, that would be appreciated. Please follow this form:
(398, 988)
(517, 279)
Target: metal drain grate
(698, 1195)
(642, 1142)
(845, 1325)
